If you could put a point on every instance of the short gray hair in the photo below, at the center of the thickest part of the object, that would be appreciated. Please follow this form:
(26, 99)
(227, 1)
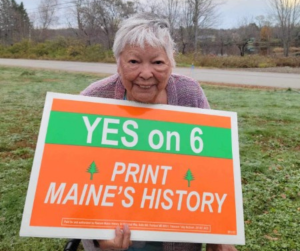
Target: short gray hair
(144, 28)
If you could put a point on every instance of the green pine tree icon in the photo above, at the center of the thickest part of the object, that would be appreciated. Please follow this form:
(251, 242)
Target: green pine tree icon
(189, 177)
(92, 169)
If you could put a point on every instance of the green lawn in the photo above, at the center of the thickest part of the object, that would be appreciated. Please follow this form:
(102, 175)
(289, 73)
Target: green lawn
(269, 132)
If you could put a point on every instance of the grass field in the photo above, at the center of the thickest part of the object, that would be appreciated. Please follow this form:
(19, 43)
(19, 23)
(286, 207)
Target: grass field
(269, 132)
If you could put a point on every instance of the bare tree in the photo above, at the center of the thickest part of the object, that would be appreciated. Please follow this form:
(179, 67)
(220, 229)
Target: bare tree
(287, 16)
(192, 16)
(78, 22)
(171, 8)
(47, 16)
(223, 41)
(168, 9)
(246, 33)
(185, 34)
(262, 21)
(154, 6)
(98, 20)
(204, 15)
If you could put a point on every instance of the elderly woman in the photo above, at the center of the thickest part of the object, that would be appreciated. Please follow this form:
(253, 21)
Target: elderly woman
(144, 51)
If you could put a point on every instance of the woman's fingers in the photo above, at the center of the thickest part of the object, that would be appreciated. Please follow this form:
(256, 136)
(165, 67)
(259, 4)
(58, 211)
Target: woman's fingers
(220, 247)
(119, 236)
(126, 237)
(106, 244)
(122, 238)
(120, 242)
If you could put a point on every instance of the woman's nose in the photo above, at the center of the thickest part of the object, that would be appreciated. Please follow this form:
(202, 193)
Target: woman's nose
(146, 71)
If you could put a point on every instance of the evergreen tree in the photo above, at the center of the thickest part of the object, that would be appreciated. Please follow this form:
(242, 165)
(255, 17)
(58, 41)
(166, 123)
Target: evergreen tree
(92, 169)
(14, 22)
(189, 177)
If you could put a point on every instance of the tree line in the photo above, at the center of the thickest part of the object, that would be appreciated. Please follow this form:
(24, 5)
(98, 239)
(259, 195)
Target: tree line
(15, 24)
(192, 24)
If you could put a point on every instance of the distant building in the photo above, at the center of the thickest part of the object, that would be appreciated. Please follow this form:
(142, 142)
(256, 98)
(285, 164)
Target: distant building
(207, 38)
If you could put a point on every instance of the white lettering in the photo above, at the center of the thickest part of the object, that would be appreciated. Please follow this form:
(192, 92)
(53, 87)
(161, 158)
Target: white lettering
(107, 130)
(148, 197)
(54, 195)
(166, 169)
(220, 202)
(72, 194)
(177, 140)
(157, 198)
(90, 128)
(83, 194)
(188, 201)
(160, 139)
(168, 199)
(131, 133)
(151, 174)
(181, 193)
(128, 196)
(96, 197)
(207, 202)
(117, 171)
(131, 172)
(108, 195)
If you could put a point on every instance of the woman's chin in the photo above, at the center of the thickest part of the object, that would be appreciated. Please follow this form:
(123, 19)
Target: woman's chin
(150, 96)
(143, 98)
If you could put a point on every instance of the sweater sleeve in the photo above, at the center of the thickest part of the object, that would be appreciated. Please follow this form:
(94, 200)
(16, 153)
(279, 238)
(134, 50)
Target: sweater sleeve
(104, 88)
(190, 93)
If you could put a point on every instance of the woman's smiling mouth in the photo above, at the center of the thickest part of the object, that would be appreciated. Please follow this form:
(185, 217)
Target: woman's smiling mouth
(144, 86)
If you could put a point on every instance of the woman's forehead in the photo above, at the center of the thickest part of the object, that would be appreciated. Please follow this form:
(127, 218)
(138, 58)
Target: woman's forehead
(136, 50)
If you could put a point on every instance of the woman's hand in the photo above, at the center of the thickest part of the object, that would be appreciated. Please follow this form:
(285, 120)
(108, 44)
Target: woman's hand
(120, 242)
(220, 247)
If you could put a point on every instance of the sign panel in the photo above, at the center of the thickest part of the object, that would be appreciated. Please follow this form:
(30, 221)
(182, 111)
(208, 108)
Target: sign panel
(171, 173)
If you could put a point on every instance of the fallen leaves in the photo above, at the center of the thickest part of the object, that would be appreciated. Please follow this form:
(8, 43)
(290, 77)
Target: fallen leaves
(270, 238)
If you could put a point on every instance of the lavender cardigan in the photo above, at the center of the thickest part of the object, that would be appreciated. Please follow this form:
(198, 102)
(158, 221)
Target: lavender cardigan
(181, 91)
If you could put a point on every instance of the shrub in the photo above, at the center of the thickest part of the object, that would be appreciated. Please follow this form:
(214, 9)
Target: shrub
(184, 59)
(39, 50)
(57, 48)
(287, 61)
(75, 50)
(20, 48)
(249, 61)
(2, 50)
(63, 48)
(94, 53)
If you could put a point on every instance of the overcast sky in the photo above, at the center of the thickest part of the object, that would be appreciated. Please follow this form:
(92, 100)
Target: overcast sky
(232, 12)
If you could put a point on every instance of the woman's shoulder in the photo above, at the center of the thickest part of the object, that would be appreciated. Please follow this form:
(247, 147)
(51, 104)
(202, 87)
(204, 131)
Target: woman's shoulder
(182, 77)
(184, 80)
(102, 88)
(189, 91)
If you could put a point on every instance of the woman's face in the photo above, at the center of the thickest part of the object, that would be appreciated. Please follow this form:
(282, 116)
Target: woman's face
(145, 73)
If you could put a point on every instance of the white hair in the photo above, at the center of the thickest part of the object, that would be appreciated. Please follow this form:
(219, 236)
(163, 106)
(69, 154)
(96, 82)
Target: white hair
(141, 29)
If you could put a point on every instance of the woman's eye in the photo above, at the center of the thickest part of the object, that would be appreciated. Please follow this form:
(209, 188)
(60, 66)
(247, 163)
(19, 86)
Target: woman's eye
(158, 62)
(133, 61)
